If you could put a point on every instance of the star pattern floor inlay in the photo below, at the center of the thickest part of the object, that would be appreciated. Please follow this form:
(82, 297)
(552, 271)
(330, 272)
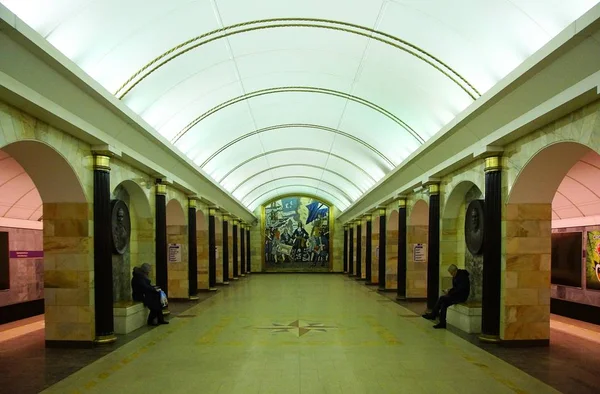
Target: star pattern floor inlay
(299, 327)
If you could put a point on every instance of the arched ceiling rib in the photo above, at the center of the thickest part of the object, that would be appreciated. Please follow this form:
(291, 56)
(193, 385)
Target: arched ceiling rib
(19, 198)
(578, 195)
(369, 81)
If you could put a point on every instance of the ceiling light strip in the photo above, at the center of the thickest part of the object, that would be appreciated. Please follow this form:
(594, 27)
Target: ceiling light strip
(299, 125)
(343, 193)
(299, 89)
(297, 149)
(385, 38)
(298, 165)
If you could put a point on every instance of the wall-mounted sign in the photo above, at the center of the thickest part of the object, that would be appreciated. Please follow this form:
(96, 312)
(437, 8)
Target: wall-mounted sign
(174, 253)
(419, 253)
(26, 254)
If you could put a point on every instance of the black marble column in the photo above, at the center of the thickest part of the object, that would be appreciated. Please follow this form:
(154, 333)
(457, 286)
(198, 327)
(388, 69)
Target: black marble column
(382, 245)
(368, 251)
(492, 268)
(351, 251)
(359, 250)
(212, 250)
(243, 249)
(402, 246)
(162, 279)
(192, 250)
(433, 251)
(248, 260)
(236, 270)
(103, 279)
(226, 251)
(345, 249)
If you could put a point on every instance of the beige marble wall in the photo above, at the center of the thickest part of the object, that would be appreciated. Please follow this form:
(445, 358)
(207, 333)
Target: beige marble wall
(336, 243)
(416, 232)
(202, 246)
(230, 248)
(69, 272)
(525, 307)
(256, 249)
(363, 252)
(178, 272)
(375, 250)
(219, 244)
(391, 249)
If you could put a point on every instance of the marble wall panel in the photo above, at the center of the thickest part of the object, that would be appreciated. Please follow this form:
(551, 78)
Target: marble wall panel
(178, 272)
(26, 282)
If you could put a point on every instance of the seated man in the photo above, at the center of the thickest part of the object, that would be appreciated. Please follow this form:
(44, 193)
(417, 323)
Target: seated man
(143, 291)
(461, 286)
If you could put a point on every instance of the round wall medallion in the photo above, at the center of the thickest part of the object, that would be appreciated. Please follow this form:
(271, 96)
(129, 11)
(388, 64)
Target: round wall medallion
(474, 227)
(120, 225)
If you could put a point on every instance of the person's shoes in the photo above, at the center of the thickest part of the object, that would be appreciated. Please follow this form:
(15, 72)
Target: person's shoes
(429, 316)
(440, 325)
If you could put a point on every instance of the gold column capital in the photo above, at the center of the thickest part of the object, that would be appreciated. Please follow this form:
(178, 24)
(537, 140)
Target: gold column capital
(367, 217)
(493, 163)
(381, 211)
(402, 202)
(235, 222)
(192, 203)
(434, 188)
(102, 162)
(161, 189)
(212, 211)
(226, 217)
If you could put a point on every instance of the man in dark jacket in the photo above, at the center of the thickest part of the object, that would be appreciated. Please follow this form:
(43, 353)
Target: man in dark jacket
(461, 287)
(143, 291)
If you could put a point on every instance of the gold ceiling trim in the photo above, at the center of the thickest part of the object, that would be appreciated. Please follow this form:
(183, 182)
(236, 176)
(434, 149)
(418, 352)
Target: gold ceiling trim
(298, 165)
(299, 194)
(299, 89)
(296, 149)
(298, 125)
(346, 27)
(342, 192)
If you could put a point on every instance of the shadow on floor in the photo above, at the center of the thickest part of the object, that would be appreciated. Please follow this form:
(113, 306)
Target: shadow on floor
(29, 367)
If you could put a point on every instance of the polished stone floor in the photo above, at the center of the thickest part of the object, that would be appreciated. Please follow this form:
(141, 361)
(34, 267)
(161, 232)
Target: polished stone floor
(299, 334)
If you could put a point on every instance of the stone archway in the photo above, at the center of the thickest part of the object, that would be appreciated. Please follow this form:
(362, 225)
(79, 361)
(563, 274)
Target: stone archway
(526, 257)
(202, 248)
(177, 255)
(68, 263)
(141, 241)
(417, 230)
(453, 249)
(391, 250)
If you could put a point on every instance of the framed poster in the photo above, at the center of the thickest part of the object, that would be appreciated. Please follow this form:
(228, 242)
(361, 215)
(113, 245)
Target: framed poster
(592, 261)
(419, 253)
(174, 253)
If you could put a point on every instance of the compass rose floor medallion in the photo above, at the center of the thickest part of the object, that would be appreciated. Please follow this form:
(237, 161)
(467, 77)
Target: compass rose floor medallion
(297, 327)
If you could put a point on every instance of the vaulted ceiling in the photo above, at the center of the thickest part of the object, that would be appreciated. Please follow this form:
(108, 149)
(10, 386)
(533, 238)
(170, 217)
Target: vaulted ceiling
(272, 97)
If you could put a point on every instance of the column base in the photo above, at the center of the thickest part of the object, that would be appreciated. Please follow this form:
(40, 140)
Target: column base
(212, 289)
(166, 312)
(194, 298)
(400, 298)
(225, 283)
(368, 283)
(236, 278)
(243, 275)
(361, 279)
(489, 338)
(105, 339)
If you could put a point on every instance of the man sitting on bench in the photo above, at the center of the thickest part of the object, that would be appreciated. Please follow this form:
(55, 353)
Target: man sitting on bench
(461, 286)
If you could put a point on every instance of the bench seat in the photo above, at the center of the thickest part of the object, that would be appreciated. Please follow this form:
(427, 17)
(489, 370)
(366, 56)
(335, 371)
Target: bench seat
(465, 317)
(129, 316)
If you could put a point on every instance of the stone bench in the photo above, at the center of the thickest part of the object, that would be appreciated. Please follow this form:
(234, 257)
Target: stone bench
(129, 316)
(465, 317)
